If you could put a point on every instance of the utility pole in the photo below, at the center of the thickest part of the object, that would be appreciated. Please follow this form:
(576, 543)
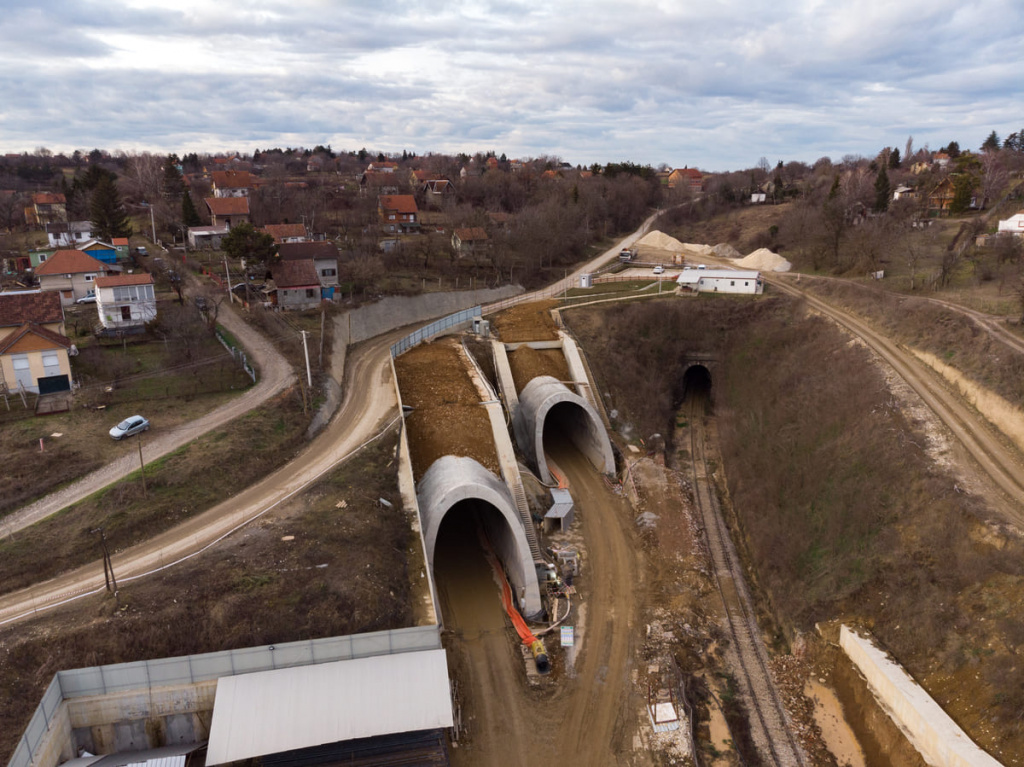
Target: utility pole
(108, 565)
(305, 348)
(227, 276)
(152, 223)
(142, 466)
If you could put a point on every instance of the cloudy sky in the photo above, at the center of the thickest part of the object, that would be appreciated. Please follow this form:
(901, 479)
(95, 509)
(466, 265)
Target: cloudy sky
(715, 84)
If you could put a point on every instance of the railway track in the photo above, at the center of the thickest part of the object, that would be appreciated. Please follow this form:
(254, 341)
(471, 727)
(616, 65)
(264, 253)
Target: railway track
(770, 727)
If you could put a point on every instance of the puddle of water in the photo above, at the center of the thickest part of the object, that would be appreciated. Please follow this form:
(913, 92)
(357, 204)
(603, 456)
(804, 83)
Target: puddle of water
(838, 737)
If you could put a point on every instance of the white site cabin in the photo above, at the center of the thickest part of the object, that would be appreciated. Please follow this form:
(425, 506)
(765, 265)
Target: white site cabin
(721, 281)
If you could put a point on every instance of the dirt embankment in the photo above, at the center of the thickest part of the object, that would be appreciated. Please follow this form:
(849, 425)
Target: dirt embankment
(527, 364)
(526, 322)
(447, 417)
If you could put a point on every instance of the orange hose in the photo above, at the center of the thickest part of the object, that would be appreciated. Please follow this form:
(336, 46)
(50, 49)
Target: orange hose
(506, 592)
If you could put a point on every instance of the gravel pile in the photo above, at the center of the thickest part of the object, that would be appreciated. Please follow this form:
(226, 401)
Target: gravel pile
(764, 260)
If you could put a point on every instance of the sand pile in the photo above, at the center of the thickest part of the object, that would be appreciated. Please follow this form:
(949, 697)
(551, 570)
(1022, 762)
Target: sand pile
(765, 261)
(660, 241)
(725, 250)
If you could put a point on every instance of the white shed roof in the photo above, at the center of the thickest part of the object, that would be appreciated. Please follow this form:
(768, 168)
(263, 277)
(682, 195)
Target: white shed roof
(273, 711)
(693, 276)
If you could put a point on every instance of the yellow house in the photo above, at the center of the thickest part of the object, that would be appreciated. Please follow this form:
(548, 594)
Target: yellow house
(33, 348)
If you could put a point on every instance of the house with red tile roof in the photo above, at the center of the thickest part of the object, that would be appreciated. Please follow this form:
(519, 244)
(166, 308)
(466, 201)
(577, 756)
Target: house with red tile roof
(229, 211)
(469, 240)
(33, 306)
(297, 283)
(46, 208)
(72, 273)
(231, 183)
(398, 213)
(686, 178)
(125, 300)
(286, 232)
(34, 359)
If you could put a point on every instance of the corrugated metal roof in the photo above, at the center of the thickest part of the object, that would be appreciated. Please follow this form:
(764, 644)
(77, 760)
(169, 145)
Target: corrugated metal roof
(273, 711)
(561, 504)
(693, 276)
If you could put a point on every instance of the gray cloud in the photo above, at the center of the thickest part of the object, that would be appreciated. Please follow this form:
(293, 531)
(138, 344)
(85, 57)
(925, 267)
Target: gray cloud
(716, 86)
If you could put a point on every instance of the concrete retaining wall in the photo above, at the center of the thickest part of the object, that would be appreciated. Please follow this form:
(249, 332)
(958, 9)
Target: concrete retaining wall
(938, 739)
(397, 311)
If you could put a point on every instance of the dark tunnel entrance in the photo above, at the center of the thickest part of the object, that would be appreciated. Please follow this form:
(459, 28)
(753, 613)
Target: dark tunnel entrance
(470, 600)
(691, 398)
(568, 426)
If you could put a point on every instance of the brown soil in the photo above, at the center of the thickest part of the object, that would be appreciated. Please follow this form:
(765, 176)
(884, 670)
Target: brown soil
(526, 322)
(447, 418)
(527, 364)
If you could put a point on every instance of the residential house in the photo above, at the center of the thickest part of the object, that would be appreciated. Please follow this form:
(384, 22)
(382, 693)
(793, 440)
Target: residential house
(324, 256)
(500, 219)
(920, 167)
(46, 208)
(469, 240)
(101, 251)
(72, 273)
(123, 248)
(298, 286)
(720, 281)
(492, 163)
(206, 237)
(286, 232)
(941, 198)
(33, 347)
(382, 167)
(125, 301)
(378, 183)
(1014, 224)
(231, 183)
(38, 256)
(398, 213)
(229, 211)
(904, 192)
(471, 169)
(438, 188)
(433, 221)
(68, 235)
(686, 178)
(516, 166)
(941, 159)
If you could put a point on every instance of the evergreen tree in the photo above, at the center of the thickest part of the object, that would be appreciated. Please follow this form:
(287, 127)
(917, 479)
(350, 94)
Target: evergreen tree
(834, 191)
(991, 144)
(107, 213)
(189, 214)
(173, 184)
(963, 190)
(882, 191)
(246, 242)
(894, 158)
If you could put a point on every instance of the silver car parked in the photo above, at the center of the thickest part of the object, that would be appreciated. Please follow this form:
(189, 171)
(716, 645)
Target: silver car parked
(130, 427)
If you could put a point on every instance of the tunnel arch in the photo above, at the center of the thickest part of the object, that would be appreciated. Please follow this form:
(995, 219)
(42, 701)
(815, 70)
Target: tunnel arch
(697, 376)
(545, 397)
(452, 480)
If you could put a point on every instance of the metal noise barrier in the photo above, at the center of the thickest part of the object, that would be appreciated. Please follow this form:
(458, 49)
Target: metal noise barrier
(435, 328)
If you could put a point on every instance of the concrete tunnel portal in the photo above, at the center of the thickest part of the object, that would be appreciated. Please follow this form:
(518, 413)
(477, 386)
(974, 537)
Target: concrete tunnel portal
(459, 491)
(547, 406)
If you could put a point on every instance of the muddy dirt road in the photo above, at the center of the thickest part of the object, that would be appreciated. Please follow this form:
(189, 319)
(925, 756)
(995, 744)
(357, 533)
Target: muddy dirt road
(368, 405)
(584, 715)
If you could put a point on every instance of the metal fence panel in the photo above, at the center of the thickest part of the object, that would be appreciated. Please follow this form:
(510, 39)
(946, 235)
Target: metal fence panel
(211, 666)
(125, 676)
(79, 682)
(434, 328)
(293, 654)
(167, 672)
(332, 648)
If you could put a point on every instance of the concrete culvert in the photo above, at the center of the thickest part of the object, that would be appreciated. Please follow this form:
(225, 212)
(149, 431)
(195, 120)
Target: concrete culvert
(548, 406)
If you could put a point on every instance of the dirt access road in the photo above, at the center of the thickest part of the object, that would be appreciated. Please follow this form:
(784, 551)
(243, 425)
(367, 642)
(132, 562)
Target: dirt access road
(583, 714)
(368, 405)
(275, 376)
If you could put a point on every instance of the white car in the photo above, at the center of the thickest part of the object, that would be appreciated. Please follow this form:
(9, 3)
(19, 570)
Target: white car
(89, 298)
(659, 269)
(129, 427)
